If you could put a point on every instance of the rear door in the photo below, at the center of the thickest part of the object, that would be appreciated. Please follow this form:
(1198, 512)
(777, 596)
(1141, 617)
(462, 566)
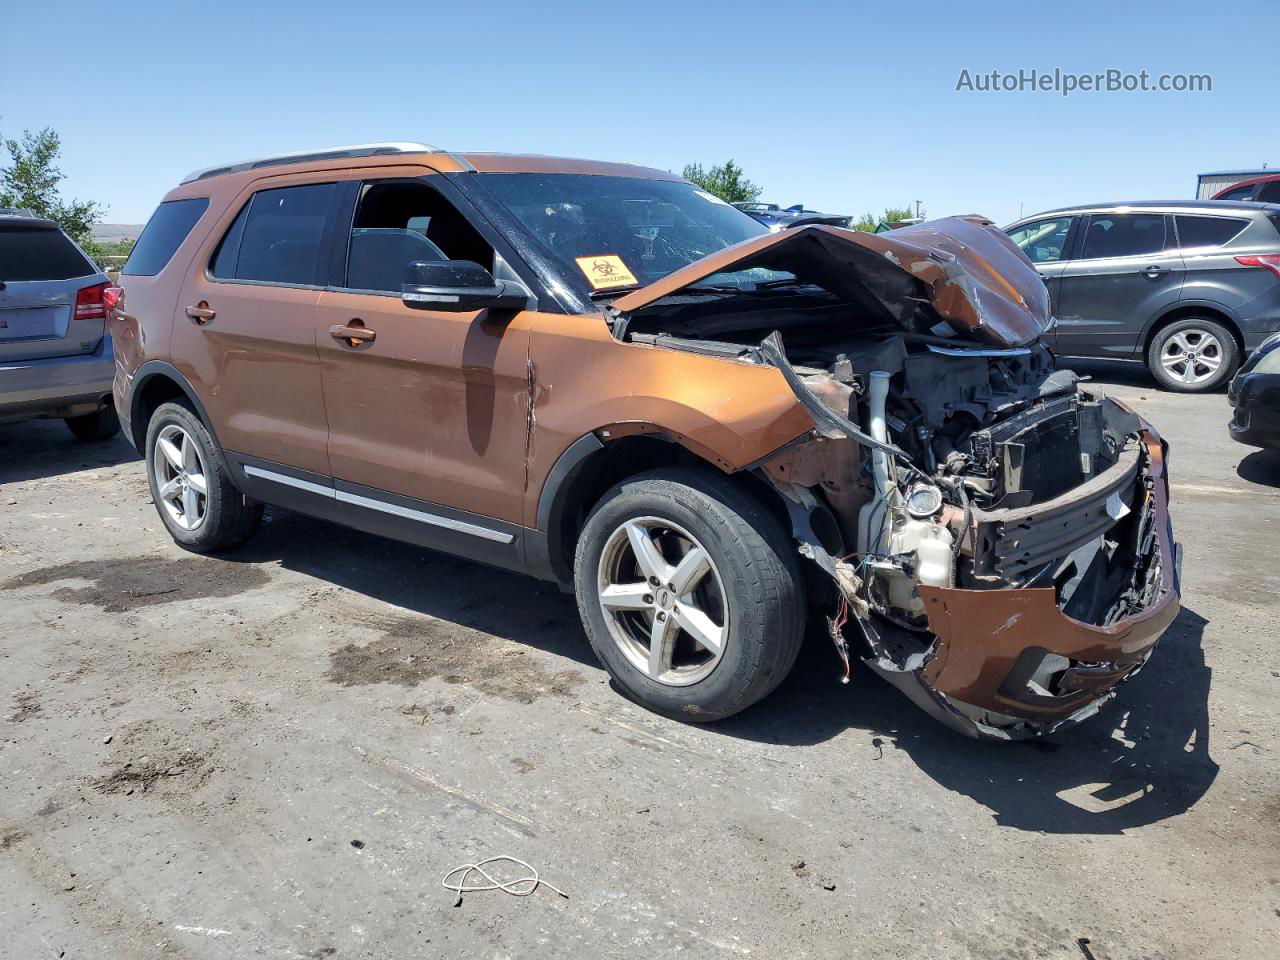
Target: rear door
(1047, 244)
(244, 327)
(41, 274)
(1127, 270)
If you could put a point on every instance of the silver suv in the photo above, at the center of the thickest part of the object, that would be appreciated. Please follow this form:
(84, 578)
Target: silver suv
(1189, 288)
(55, 352)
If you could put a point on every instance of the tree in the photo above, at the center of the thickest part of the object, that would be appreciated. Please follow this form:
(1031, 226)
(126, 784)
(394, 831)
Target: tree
(868, 222)
(725, 182)
(31, 179)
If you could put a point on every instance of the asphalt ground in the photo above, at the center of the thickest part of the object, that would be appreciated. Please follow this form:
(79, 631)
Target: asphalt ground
(280, 753)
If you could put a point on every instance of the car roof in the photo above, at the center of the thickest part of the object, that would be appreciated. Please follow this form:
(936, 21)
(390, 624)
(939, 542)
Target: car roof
(26, 218)
(394, 152)
(1271, 178)
(1163, 206)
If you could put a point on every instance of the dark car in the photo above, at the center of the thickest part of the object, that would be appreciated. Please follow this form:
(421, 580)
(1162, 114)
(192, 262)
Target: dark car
(1255, 395)
(1186, 287)
(1259, 190)
(779, 218)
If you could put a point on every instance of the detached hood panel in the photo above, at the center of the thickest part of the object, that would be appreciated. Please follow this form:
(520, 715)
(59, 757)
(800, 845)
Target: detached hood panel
(963, 271)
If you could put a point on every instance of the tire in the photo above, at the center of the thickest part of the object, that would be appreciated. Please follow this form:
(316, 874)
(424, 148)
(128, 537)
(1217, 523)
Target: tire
(221, 517)
(1213, 347)
(90, 427)
(750, 595)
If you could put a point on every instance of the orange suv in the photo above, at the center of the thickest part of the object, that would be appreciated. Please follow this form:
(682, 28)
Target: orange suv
(601, 375)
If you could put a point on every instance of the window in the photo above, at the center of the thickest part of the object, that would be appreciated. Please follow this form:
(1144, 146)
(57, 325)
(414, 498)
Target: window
(653, 226)
(400, 221)
(1270, 192)
(39, 252)
(1123, 235)
(163, 234)
(1207, 231)
(1043, 241)
(278, 237)
(1239, 193)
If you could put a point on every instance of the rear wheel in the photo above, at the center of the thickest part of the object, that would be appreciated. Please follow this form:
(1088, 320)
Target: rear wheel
(200, 507)
(690, 594)
(101, 425)
(1193, 355)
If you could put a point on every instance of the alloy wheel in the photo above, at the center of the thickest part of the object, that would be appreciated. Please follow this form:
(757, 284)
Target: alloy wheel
(1192, 356)
(663, 601)
(182, 489)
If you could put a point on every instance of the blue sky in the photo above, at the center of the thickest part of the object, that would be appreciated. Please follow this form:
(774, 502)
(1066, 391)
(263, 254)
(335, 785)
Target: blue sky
(843, 106)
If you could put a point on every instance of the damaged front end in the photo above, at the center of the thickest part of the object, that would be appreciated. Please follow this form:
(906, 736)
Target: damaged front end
(996, 533)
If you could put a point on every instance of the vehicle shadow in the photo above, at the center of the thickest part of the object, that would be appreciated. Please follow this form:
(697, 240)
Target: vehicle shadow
(1143, 758)
(1262, 467)
(471, 595)
(1113, 371)
(34, 449)
(1121, 372)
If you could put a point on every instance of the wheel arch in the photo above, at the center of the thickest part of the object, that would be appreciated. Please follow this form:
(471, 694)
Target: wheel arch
(1184, 310)
(595, 462)
(154, 383)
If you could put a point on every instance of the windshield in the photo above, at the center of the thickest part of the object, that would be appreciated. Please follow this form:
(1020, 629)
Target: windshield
(616, 233)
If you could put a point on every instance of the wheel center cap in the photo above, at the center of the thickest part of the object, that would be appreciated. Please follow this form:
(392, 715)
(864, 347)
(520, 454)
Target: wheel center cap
(666, 599)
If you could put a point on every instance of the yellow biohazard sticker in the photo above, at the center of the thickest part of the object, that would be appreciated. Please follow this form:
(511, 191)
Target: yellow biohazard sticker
(606, 271)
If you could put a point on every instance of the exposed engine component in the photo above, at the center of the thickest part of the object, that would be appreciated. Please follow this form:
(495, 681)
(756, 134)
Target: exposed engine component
(997, 535)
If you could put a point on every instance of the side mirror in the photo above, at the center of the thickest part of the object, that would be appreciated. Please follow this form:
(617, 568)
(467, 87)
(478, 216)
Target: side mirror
(459, 286)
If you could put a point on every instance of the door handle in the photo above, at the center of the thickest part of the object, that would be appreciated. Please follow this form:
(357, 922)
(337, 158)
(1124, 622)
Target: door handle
(352, 333)
(200, 314)
(1154, 270)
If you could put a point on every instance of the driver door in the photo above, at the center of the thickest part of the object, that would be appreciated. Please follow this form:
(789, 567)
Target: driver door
(428, 410)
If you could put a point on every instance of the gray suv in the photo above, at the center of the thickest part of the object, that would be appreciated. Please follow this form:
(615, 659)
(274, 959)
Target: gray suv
(1189, 287)
(55, 352)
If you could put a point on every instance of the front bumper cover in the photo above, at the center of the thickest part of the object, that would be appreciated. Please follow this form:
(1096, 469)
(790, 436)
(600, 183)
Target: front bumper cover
(981, 676)
(1256, 399)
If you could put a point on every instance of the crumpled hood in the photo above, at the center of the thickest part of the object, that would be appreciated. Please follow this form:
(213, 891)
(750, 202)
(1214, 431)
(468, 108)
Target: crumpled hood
(963, 271)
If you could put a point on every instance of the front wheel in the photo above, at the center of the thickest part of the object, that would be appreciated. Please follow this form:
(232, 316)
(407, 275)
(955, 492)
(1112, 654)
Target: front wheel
(200, 507)
(690, 594)
(1193, 356)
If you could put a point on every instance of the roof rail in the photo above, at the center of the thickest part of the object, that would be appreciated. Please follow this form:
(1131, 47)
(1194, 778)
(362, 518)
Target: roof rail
(306, 156)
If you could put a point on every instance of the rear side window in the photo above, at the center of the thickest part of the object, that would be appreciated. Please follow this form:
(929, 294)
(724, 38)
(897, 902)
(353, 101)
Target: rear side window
(278, 237)
(1123, 235)
(39, 253)
(163, 234)
(1270, 192)
(1207, 231)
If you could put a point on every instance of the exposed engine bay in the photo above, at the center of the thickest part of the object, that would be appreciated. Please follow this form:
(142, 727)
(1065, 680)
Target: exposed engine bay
(944, 469)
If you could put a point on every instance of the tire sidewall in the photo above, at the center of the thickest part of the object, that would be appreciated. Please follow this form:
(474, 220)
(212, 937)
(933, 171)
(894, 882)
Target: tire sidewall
(729, 687)
(215, 505)
(1230, 349)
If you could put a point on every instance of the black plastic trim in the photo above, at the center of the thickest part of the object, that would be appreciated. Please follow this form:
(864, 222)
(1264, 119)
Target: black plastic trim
(148, 371)
(493, 542)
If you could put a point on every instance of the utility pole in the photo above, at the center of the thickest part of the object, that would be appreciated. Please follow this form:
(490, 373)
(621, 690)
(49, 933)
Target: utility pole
(917, 209)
